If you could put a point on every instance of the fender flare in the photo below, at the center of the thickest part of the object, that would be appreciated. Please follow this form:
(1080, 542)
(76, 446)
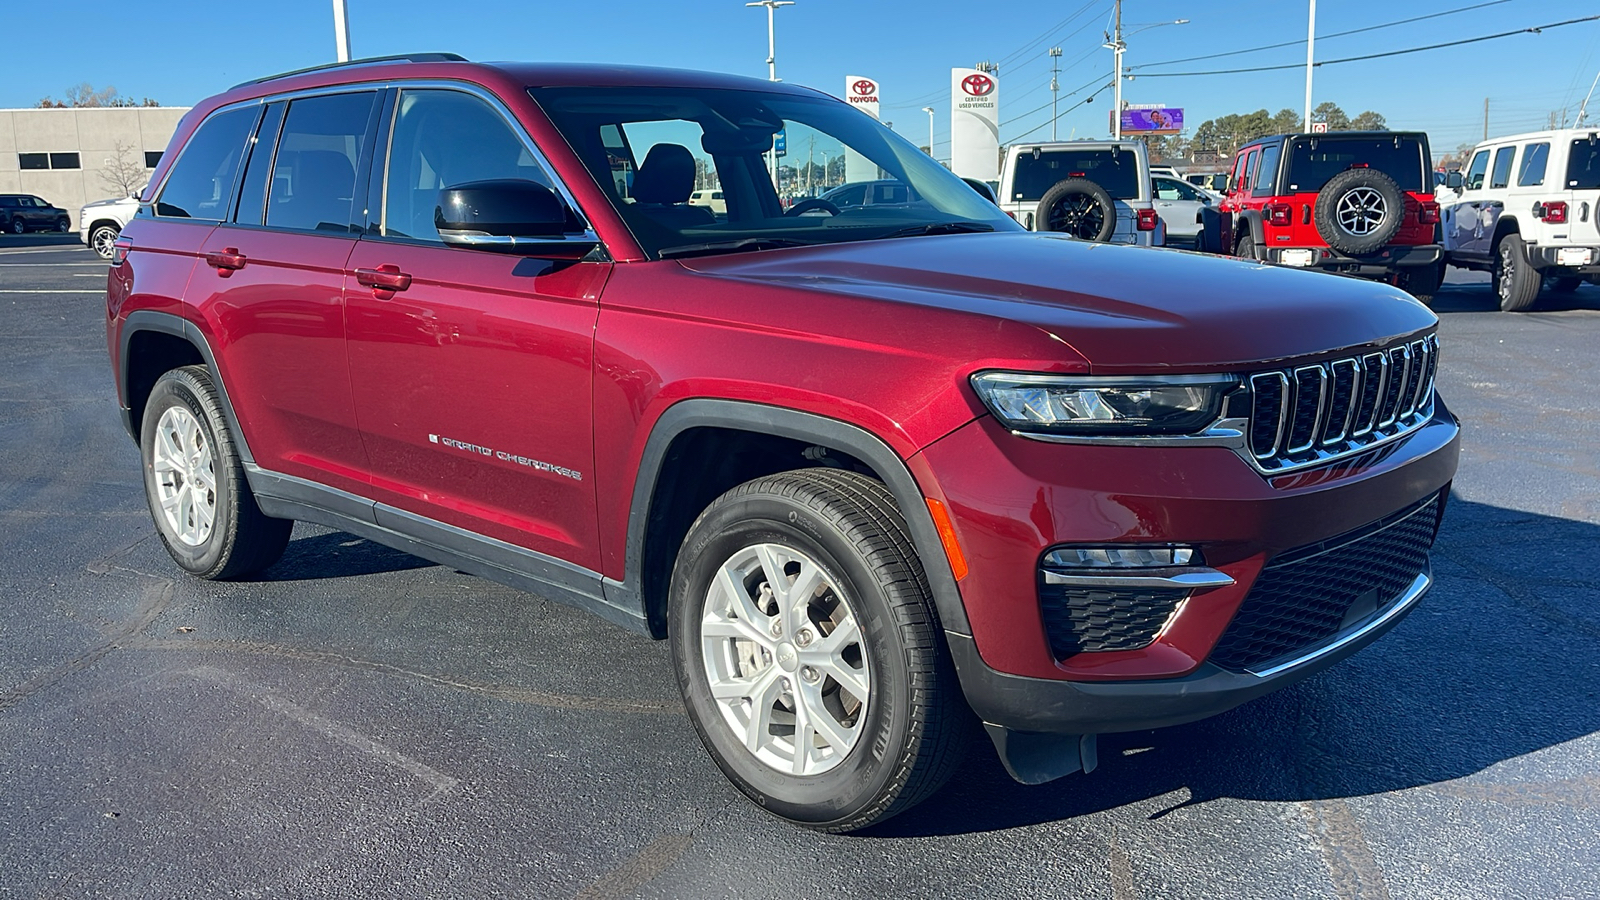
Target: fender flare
(177, 326)
(1249, 219)
(745, 416)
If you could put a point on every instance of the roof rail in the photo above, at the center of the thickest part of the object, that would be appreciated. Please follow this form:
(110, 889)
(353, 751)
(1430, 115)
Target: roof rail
(367, 60)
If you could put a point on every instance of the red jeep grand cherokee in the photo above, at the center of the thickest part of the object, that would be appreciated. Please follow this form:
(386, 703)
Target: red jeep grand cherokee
(869, 470)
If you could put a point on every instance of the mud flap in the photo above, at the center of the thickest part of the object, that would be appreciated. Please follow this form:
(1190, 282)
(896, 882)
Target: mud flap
(1034, 758)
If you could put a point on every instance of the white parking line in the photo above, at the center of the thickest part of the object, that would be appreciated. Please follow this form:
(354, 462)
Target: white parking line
(61, 249)
(88, 275)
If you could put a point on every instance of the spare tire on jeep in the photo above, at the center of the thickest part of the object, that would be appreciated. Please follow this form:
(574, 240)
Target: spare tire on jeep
(1079, 207)
(1359, 211)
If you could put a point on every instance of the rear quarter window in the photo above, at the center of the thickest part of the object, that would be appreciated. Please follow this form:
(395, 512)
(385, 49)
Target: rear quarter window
(1583, 165)
(1535, 157)
(201, 183)
(1314, 159)
(1117, 172)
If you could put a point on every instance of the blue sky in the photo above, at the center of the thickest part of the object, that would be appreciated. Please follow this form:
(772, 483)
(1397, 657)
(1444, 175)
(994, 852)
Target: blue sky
(180, 51)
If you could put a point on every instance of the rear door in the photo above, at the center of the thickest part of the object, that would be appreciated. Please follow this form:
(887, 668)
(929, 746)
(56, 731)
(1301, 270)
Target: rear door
(472, 370)
(272, 279)
(1470, 238)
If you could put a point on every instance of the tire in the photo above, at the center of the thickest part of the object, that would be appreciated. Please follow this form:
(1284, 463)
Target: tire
(1515, 281)
(892, 748)
(184, 442)
(103, 240)
(63, 226)
(1246, 247)
(18, 226)
(1564, 284)
(1422, 282)
(1359, 211)
(1079, 207)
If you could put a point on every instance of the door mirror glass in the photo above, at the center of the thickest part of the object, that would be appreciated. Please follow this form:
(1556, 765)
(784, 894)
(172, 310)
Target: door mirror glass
(1453, 180)
(983, 189)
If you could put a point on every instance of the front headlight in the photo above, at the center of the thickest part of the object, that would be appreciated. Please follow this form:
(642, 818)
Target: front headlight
(1104, 405)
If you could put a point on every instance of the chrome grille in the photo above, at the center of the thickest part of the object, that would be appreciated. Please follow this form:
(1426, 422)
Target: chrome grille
(1311, 414)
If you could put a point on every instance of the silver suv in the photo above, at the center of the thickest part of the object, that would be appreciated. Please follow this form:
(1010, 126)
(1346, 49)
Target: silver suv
(1094, 190)
(1527, 209)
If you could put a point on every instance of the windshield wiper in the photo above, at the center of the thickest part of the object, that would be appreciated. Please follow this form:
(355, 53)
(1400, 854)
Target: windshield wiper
(752, 243)
(938, 228)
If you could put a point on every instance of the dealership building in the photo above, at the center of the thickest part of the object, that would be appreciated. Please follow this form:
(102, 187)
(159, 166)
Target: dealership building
(63, 155)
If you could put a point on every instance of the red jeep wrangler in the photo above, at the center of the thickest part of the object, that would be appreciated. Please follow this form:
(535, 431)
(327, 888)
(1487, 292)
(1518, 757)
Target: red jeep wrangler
(1354, 202)
(875, 473)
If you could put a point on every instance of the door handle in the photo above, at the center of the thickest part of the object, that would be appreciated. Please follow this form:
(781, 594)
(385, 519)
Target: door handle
(226, 261)
(386, 277)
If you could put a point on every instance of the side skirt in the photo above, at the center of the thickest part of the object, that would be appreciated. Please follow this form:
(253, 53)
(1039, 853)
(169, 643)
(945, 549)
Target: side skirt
(288, 497)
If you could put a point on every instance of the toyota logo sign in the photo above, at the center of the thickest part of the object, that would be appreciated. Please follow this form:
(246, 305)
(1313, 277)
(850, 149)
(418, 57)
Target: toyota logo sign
(977, 85)
(864, 87)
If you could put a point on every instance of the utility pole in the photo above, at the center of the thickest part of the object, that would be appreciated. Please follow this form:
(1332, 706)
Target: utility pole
(1311, 43)
(772, 69)
(1116, 56)
(1486, 118)
(1055, 85)
(341, 30)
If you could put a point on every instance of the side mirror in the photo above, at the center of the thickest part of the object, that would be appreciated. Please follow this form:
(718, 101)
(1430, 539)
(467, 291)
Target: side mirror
(1453, 180)
(982, 189)
(138, 194)
(510, 216)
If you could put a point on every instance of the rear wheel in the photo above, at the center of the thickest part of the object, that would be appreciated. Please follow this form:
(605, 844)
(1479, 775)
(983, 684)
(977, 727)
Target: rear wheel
(63, 225)
(1515, 282)
(1246, 248)
(17, 226)
(195, 484)
(808, 652)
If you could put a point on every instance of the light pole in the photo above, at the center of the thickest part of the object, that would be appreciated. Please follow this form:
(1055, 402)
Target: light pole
(772, 69)
(929, 111)
(1311, 42)
(1116, 46)
(1055, 85)
(341, 30)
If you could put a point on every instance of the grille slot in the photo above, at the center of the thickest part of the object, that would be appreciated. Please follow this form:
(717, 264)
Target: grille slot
(1081, 620)
(1313, 413)
(1308, 595)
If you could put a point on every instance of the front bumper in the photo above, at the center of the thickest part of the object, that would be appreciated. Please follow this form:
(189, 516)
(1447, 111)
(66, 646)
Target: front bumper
(1383, 262)
(1013, 498)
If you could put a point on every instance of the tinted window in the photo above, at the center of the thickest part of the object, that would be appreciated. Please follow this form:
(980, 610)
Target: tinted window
(1475, 172)
(64, 161)
(258, 168)
(1117, 172)
(33, 160)
(1502, 167)
(314, 172)
(848, 195)
(201, 182)
(152, 158)
(1265, 177)
(1314, 159)
(443, 139)
(1245, 171)
(1534, 159)
(1583, 164)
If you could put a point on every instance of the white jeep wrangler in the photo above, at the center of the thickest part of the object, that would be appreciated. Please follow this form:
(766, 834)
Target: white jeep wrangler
(1527, 209)
(1094, 190)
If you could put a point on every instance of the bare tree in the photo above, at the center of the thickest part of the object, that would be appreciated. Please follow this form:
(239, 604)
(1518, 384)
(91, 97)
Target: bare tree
(84, 96)
(124, 169)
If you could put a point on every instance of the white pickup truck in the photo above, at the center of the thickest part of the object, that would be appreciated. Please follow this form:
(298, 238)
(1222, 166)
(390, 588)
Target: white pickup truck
(100, 222)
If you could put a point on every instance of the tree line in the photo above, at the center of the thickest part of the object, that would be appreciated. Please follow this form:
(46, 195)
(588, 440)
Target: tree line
(85, 96)
(1216, 140)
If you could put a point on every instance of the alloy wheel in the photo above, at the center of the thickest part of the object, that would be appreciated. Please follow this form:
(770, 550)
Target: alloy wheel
(186, 481)
(1079, 215)
(1361, 210)
(784, 659)
(105, 242)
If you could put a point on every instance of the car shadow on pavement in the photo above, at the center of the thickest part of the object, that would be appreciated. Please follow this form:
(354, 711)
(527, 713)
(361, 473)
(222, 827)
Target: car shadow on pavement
(40, 239)
(1478, 297)
(1495, 664)
(337, 555)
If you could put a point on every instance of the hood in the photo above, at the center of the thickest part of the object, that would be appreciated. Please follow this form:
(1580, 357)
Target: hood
(1121, 308)
(113, 202)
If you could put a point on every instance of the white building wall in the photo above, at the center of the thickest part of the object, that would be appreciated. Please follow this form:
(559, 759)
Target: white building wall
(92, 134)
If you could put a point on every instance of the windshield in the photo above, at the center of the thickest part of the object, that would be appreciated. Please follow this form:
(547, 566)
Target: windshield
(841, 175)
(1038, 172)
(1313, 160)
(1583, 165)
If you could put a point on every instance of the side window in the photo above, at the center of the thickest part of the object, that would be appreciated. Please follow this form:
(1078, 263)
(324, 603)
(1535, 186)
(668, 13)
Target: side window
(1502, 167)
(1265, 177)
(1475, 172)
(201, 183)
(258, 168)
(314, 171)
(444, 138)
(1534, 159)
(1167, 190)
(1246, 171)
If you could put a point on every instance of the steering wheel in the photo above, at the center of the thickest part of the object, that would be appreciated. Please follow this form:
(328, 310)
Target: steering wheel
(810, 203)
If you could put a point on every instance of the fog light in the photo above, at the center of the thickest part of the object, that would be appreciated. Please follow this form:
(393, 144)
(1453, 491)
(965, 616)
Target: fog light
(1297, 257)
(1119, 557)
(1574, 256)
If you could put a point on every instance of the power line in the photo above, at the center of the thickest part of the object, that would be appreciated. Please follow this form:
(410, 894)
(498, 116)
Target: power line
(1017, 53)
(1103, 88)
(1337, 34)
(1536, 29)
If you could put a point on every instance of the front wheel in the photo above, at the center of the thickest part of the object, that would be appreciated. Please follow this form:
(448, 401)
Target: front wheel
(808, 652)
(195, 485)
(103, 240)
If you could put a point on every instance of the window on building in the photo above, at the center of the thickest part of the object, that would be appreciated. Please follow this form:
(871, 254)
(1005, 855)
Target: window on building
(33, 160)
(64, 161)
(152, 158)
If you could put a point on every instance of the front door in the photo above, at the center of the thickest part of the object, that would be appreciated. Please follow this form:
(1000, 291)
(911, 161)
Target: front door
(472, 368)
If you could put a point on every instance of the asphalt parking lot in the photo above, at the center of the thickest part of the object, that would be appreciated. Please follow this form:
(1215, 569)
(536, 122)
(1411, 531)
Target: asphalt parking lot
(360, 723)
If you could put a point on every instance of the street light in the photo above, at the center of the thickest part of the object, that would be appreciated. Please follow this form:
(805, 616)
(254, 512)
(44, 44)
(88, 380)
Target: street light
(1117, 46)
(929, 111)
(772, 71)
